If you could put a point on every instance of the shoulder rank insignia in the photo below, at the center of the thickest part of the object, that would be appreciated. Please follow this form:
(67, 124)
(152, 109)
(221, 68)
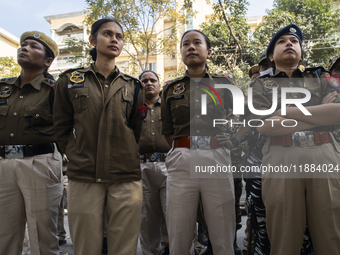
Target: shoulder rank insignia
(179, 88)
(143, 111)
(333, 81)
(270, 84)
(77, 77)
(6, 91)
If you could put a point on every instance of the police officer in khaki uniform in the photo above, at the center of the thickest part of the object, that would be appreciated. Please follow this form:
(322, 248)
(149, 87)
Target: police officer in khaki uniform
(153, 149)
(195, 143)
(30, 165)
(98, 112)
(293, 200)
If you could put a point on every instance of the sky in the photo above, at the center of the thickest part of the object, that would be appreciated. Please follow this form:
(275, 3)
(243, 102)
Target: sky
(19, 16)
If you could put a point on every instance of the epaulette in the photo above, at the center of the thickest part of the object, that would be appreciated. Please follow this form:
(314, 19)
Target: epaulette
(313, 69)
(221, 75)
(70, 70)
(173, 81)
(10, 80)
(49, 82)
(127, 76)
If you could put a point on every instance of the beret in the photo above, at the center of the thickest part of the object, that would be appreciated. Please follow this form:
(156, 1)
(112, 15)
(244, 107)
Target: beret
(263, 56)
(291, 29)
(332, 61)
(45, 40)
(253, 69)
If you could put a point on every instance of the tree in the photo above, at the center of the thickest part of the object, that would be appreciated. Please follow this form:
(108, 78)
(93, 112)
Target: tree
(9, 67)
(141, 19)
(318, 21)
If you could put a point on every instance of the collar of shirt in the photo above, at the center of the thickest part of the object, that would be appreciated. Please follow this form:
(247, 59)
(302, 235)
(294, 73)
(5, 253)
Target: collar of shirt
(35, 83)
(158, 102)
(296, 73)
(206, 74)
(111, 76)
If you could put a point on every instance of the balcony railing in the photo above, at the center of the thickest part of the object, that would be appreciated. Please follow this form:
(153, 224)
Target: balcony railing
(63, 38)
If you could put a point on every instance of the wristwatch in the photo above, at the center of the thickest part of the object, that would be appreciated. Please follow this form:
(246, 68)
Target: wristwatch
(234, 140)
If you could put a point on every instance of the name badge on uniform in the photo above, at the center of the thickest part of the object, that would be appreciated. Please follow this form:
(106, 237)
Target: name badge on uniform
(270, 84)
(6, 91)
(333, 81)
(177, 97)
(3, 101)
(179, 88)
(75, 85)
(77, 77)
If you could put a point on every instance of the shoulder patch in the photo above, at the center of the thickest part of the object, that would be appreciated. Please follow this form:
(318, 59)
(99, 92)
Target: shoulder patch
(49, 82)
(9, 80)
(127, 76)
(174, 80)
(313, 69)
(333, 81)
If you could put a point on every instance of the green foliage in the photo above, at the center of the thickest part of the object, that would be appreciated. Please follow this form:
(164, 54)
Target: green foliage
(226, 56)
(80, 50)
(9, 67)
(141, 19)
(318, 21)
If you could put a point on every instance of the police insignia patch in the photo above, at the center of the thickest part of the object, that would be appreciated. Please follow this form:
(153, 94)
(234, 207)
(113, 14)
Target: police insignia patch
(271, 84)
(179, 88)
(5, 91)
(333, 81)
(77, 77)
(143, 111)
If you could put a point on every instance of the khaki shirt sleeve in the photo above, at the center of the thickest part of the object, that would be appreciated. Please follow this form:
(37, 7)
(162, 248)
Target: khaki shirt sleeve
(62, 113)
(135, 120)
(167, 123)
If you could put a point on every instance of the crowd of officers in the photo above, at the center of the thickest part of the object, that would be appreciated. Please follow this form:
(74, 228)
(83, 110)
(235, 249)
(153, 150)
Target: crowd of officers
(130, 147)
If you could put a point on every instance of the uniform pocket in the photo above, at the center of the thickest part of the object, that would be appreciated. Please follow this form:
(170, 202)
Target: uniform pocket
(39, 117)
(3, 114)
(180, 110)
(79, 99)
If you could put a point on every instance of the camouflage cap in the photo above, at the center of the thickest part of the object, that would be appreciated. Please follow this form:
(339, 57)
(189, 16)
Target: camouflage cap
(253, 69)
(332, 61)
(45, 40)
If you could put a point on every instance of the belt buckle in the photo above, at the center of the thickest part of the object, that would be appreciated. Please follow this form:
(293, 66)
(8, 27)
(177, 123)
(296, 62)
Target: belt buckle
(303, 138)
(154, 157)
(200, 142)
(14, 151)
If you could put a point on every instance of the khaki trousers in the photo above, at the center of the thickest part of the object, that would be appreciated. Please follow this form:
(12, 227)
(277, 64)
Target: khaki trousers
(183, 194)
(291, 203)
(30, 190)
(87, 203)
(153, 208)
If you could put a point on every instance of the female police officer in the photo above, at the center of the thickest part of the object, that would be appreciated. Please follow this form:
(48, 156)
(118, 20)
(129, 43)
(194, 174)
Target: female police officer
(293, 200)
(30, 166)
(194, 139)
(98, 126)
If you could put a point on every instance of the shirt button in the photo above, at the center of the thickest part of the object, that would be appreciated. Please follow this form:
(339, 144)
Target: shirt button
(152, 110)
(99, 180)
(198, 116)
(197, 100)
(14, 113)
(11, 135)
(106, 86)
(152, 121)
(197, 131)
(290, 83)
(37, 115)
(76, 96)
(317, 93)
(153, 133)
(21, 97)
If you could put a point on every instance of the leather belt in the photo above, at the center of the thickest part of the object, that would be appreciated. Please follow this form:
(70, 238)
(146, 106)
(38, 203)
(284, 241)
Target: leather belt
(197, 142)
(153, 157)
(23, 151)
(301, 138)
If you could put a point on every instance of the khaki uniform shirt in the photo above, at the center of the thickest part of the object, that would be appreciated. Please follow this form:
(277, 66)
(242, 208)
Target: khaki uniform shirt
(181, 121)
(309, 79)
(98, 133)
(20, 106)
(151, 139)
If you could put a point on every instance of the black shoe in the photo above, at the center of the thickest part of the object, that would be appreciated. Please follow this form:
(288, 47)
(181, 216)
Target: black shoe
(62, 242)
(104, 248)
(166, 251)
